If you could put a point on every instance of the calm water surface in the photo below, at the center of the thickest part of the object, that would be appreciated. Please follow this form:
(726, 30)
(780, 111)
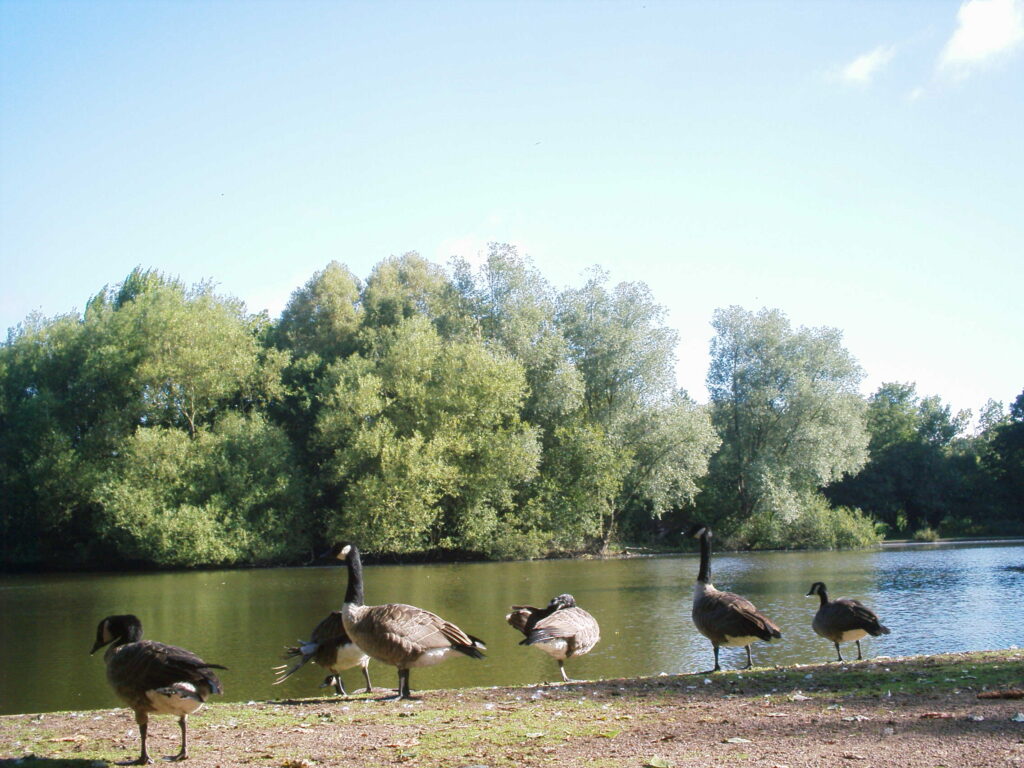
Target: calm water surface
(934, 598)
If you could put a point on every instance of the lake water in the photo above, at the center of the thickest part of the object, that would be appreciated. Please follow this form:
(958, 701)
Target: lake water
(934, 598)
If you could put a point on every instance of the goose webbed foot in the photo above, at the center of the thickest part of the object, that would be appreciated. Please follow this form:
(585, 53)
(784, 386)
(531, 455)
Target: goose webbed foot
(143, 759)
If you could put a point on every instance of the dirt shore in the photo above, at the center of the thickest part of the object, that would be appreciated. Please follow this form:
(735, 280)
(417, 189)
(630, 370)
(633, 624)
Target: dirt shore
(919, 712)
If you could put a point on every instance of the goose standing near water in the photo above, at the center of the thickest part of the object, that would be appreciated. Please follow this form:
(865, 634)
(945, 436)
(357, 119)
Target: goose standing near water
(562, 630)
(723, 617)
(331, 648)
(403, 636)
(154, 677)
(844, 620)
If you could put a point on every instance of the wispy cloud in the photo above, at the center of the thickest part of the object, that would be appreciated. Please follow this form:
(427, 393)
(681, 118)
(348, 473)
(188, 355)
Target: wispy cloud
(863, 69)
(986, 30)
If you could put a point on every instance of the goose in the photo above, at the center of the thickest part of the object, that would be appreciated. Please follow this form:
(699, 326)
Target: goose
(154, 677)
(403, 636)
(725, 618)
(331, 648)
(562, 630)
(844, 620)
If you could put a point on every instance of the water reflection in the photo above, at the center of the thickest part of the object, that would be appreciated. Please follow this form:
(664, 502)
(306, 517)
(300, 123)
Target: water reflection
(934, 598)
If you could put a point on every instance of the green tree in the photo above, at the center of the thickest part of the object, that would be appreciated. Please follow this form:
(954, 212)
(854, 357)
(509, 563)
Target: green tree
(426, 448)
(786, 407)
(625, 354)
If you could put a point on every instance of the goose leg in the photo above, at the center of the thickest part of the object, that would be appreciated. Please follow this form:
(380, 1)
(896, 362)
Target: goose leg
(366, 674)
(142, 719)
(183, 754)
(403, 684)
(717, 667)
(750, 661)
(839, 653)
(859, 657)
(565, 677)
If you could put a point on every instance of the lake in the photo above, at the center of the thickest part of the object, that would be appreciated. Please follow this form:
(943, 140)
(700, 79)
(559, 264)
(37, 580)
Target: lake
(934, 598)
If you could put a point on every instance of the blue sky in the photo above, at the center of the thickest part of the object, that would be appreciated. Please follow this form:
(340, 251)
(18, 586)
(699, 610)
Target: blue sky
(856, 165)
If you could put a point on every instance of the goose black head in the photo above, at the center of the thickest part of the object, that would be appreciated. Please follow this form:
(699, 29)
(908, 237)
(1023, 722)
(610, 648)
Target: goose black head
(817, 588)
(121, 629)
(339, 551)
(698, 530)
(562, 602)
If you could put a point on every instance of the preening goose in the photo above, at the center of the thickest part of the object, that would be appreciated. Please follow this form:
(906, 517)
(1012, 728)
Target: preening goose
(403, 636)
(723, 617)
(331, 648)
(844, 620)
(154, 677)
(562, 630)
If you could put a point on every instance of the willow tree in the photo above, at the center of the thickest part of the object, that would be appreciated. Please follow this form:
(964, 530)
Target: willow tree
(786, 406)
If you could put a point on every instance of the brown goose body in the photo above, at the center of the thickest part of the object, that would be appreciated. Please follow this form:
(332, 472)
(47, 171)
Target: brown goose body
(329, 647)
(403, 636)
(725, 618)
(154, 678)
(562, 630)
(844, 620)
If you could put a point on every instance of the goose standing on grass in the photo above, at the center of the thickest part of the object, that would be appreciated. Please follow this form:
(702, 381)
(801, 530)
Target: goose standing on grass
(723, 617)
(154, 677)
(562, 630)
(403, 636)
(844, 620)
(331, 648)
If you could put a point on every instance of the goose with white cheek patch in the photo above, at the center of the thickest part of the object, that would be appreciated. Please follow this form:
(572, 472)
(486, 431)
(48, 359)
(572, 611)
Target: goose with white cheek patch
(725, 618)
(562, 630)
(155, 678)
(844, 620)
(403, 636)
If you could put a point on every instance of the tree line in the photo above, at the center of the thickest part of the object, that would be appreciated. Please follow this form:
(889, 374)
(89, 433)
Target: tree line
(461, 412)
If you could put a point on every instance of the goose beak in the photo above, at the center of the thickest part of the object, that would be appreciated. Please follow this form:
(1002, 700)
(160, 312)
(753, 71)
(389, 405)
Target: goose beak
(96, 646)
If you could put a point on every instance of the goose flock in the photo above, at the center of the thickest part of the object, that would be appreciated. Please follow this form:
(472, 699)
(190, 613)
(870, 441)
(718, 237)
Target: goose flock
(155, 678)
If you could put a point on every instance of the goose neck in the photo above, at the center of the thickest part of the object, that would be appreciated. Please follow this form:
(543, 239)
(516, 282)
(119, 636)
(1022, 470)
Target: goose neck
(354, 591)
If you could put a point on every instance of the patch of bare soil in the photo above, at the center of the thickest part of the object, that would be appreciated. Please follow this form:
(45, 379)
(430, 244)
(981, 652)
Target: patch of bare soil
(909, 713)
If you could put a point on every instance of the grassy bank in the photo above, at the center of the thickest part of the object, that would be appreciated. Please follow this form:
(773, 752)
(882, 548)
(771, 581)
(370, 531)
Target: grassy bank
(916, 711)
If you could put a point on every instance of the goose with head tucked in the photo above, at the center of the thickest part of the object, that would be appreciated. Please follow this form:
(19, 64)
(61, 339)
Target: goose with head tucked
(725, 618)
(844, 620)
(403, 636)
(330, 647)
(153, 677)
(562, 630)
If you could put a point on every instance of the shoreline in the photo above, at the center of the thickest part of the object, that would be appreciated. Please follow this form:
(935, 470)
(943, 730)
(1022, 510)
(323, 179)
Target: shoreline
(623, 552)
(916, 711)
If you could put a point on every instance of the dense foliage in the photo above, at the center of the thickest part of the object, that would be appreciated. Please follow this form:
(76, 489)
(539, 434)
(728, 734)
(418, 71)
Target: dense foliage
(474, 412)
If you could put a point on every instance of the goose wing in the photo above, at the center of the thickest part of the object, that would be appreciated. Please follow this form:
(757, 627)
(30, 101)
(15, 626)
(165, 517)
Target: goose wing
(733, 616)
(523, 617)
(399, 632)
(148, 665)
(573, 624)
(846, 614)
(330, 632)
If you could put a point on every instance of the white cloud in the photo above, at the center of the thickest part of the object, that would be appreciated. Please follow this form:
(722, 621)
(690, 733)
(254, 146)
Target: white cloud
(862, 69)
(985, 29)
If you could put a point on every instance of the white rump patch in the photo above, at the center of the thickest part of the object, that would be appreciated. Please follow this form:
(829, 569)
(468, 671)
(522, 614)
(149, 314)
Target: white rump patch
(556, 647)
(740, 641)
(177, 699)
(433, 656)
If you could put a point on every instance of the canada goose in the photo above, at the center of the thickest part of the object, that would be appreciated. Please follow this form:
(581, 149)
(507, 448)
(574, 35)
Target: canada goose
(723, 617)
(843, 620)
(562, 630)
(331, 648)
(154, 677)
(403, 636)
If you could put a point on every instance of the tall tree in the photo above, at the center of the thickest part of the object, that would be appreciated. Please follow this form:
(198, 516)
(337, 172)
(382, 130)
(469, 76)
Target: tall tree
(787, 410)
